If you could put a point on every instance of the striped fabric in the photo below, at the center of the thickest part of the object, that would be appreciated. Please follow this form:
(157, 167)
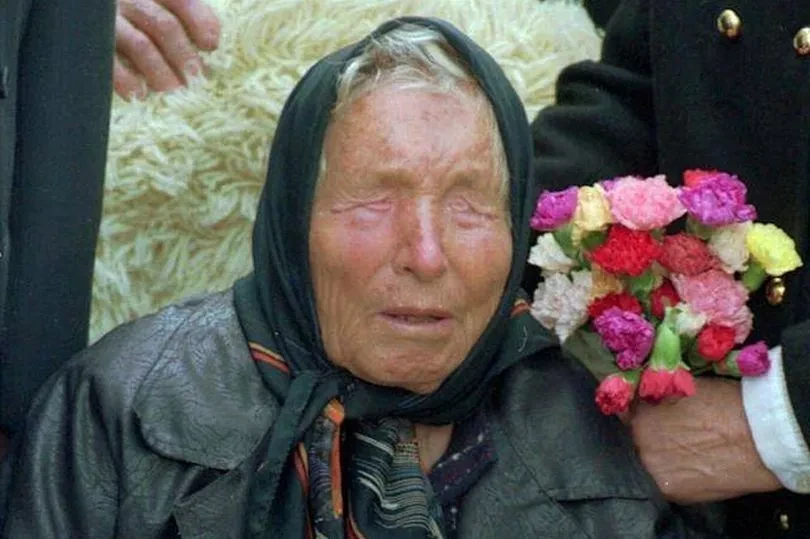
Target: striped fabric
(389, 494)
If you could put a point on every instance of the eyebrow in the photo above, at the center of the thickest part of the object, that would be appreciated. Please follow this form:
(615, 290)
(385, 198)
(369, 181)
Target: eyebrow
(463, 175)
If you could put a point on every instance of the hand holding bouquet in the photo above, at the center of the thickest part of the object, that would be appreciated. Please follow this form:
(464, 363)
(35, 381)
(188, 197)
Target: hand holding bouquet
(644, 304)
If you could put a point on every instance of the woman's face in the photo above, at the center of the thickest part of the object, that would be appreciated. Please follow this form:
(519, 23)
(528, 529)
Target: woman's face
(409, 245)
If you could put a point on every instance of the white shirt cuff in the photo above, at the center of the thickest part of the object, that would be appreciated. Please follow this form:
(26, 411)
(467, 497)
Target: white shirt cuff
(773, 424)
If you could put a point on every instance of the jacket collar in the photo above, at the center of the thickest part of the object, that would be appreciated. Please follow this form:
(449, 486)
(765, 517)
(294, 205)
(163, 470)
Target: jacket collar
(204, 401)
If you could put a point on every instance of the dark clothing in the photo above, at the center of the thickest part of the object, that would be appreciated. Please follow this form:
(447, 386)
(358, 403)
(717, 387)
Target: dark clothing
(673, 93)
(470, 455)
(600, 11)
(386, 490)
(154, 430)
(55, 91)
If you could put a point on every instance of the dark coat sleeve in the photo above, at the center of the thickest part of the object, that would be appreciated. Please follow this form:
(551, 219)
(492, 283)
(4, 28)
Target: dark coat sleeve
(63, 91)
(795, 356)
(604, 125)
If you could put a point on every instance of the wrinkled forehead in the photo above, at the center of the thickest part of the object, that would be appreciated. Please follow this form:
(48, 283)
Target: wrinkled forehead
(425, 130)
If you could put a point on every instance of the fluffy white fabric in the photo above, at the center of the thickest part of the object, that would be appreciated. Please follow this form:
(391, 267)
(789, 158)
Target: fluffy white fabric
(185, 169)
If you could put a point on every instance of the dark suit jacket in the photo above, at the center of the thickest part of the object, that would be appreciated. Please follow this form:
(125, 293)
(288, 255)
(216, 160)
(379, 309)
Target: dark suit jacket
(674, 93)
(55, 91)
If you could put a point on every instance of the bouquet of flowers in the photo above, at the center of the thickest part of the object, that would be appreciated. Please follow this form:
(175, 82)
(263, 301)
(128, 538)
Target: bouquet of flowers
(648, 284)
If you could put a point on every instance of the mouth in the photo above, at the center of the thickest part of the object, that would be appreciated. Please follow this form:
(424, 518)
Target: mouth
(418, 320)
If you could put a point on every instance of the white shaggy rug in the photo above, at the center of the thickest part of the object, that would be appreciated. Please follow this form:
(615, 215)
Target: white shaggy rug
(185, 169)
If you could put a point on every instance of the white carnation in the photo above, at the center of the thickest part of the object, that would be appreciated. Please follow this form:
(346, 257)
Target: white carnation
(561, 303)
(548, 254)
(688, 322)
(728, 245)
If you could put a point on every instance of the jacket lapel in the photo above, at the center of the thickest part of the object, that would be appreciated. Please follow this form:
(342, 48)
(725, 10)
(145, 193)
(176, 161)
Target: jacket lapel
(204, 401)
(218, 510)
(204, 404)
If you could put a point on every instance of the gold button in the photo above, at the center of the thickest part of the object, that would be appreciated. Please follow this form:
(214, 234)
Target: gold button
(784, 521)
(729, 24)
(801, 41)
(775, 291)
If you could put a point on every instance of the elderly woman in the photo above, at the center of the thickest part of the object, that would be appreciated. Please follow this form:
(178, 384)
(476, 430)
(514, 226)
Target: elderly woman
(378, 374)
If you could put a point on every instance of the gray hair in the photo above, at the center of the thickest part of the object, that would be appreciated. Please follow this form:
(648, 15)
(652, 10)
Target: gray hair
(414, 57)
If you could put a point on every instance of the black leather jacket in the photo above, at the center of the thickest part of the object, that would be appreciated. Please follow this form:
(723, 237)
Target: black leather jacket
(148, 434)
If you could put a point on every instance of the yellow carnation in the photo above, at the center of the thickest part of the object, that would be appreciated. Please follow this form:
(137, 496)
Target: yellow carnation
(772, 249)
(593, 211)
(604, 283)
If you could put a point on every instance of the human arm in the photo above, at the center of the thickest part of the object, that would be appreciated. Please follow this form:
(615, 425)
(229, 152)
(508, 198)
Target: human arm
(700, 448)
(157, 43)
(602, 123)
(603, 126)
(61, 88)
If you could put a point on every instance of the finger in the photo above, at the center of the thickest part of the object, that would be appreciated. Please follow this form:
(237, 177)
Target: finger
(127, 84)
(144, 56)
(166, 32)
(199, 20)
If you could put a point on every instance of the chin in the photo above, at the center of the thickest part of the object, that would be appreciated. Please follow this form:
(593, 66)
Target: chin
(404, 376)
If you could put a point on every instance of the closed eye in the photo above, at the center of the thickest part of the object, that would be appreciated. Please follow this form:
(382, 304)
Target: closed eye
(470, 213)
(368, 213)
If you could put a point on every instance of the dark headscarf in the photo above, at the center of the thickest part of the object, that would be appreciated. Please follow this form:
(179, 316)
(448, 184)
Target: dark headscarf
(277, 310)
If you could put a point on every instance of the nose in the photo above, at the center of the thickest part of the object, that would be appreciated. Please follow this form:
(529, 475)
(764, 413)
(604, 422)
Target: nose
(421, 250)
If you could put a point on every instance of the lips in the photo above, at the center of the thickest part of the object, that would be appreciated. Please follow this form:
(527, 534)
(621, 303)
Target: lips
(417, 315)
(418, 320)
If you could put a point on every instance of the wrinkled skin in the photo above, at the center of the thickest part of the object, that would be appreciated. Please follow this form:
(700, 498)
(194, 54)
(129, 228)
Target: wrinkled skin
(700, 449)
(410, 246)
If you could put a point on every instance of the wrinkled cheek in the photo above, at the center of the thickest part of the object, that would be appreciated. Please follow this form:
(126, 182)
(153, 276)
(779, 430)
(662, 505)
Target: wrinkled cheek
(341, 303)
(489, 267)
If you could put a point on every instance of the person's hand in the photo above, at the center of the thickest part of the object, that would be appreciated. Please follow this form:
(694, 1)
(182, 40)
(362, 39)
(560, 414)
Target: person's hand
(157, 43)
(700, 449)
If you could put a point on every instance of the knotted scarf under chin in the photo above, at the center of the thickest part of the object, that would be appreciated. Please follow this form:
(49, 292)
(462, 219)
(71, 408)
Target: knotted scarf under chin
(303, 466)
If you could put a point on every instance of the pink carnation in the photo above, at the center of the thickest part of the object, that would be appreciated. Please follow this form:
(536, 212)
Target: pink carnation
(554, 209)
(717, 295)
(717, 200)
(628, 334)
(614, 394)
(644, 204)
(753, 360)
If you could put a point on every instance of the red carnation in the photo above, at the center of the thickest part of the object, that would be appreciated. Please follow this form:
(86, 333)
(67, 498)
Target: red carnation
(662, 297)
(714, 342)
(614, 394)
(683, 383)
(656, 385)
(624, 301)
(626, 251)
(687, 255)
(691, 178)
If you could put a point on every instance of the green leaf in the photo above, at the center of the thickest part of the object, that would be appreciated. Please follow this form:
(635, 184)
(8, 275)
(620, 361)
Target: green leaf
(754, 276)
(563, 237)
(587, 347)
(642, 285)
(696, 228)
(592, 240)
